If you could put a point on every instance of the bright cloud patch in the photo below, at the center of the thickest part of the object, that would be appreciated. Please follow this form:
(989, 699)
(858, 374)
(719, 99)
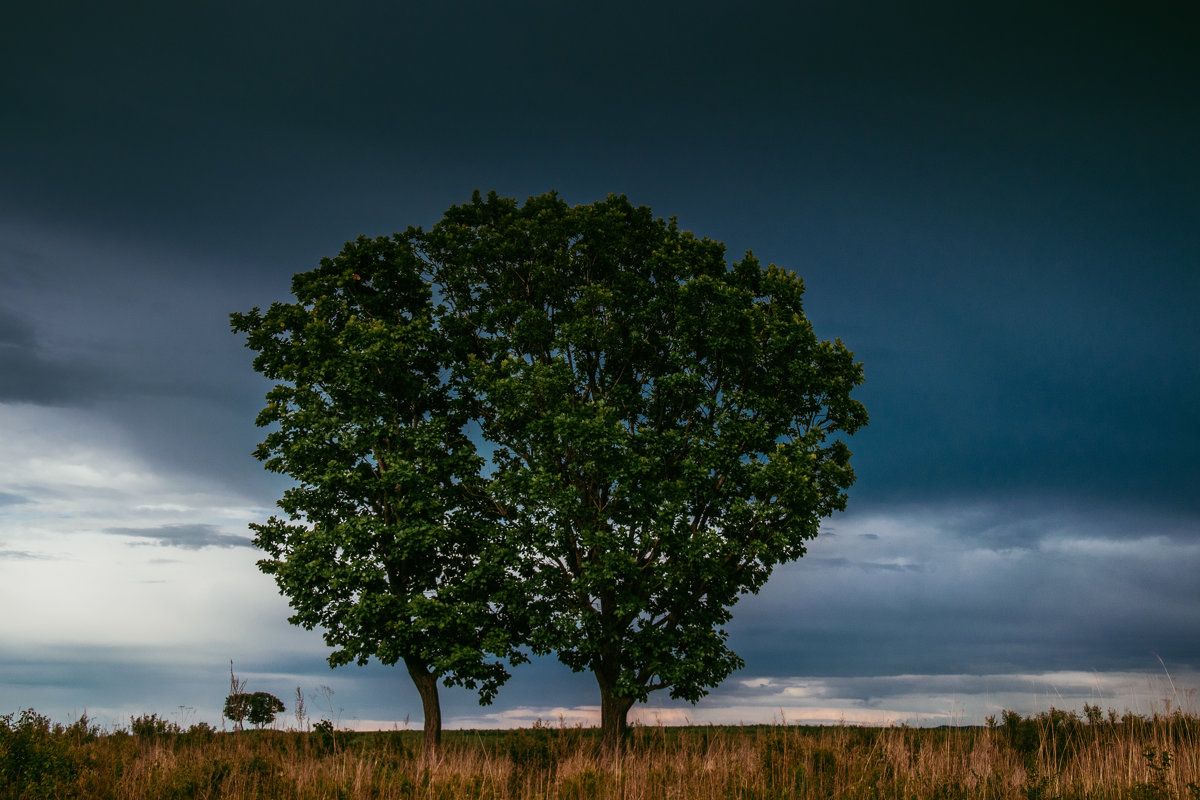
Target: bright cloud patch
(77, 494)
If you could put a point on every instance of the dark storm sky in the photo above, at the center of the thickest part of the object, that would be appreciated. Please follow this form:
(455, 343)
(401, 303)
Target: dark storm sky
(996, 205)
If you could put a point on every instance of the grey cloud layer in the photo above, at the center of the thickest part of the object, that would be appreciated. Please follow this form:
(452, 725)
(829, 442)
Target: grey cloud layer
(28, 374)
(188, 537)
(940, 590)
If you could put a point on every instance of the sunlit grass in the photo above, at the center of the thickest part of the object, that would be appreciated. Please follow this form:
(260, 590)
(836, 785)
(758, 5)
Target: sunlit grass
(1054, 754)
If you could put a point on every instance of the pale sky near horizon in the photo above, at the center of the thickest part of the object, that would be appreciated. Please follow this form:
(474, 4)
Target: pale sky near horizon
(995, 205)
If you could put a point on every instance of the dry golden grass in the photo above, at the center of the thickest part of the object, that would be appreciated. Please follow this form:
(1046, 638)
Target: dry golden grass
(1052, 755)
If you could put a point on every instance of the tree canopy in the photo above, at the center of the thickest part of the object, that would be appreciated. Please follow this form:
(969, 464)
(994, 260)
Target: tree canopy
(384, 544)
(664, 429)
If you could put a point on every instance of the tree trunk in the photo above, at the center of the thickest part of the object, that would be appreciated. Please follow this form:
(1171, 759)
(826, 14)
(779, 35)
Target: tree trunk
(426, 683)
(613, 712)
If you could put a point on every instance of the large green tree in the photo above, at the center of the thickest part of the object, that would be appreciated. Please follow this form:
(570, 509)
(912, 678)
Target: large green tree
(666, 428)
(384, 544)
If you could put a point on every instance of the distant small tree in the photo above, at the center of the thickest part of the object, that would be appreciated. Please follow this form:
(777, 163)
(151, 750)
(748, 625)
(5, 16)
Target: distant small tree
(263, 708)
(258, 708)
(237, 709)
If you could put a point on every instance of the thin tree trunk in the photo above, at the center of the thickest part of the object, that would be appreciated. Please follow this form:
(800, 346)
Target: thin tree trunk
(613, 712)
(426, 683)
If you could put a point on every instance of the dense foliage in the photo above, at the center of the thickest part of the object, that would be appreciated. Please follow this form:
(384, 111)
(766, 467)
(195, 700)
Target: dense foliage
(662, 424)
(664, 429)
(384, 544)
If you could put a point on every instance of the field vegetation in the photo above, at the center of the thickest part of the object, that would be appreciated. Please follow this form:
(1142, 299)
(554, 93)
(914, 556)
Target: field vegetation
(1052, 755)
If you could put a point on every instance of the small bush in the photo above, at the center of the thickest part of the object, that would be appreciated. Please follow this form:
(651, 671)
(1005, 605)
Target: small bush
(36, 759)
(324, 737)
(531, 750)
(200, 733)
(82, 730)
(152, 726)
(1159, 764)
(1056, 732)
(583, 785)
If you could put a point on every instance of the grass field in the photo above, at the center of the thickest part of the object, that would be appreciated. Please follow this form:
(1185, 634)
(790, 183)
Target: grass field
(1054, 754)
